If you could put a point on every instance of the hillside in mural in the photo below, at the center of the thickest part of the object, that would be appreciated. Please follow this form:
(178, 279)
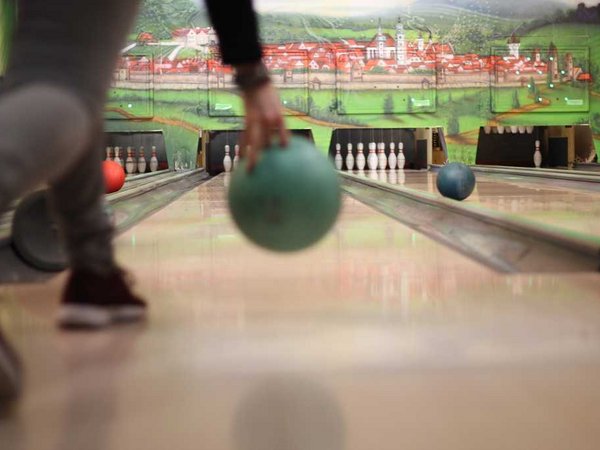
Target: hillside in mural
(449, 64)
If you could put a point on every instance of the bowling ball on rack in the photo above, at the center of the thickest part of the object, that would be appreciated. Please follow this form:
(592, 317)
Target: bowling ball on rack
(114, 176)
(455, 180)
(289, 200)
(35, 234)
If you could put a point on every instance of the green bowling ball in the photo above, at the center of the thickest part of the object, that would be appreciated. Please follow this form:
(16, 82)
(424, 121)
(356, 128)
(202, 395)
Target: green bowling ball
(290, 199)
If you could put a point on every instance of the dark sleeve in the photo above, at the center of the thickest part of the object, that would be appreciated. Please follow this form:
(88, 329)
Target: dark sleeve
(236, 25)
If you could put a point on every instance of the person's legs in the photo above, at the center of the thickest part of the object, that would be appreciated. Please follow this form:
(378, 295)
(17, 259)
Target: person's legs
(61, 64)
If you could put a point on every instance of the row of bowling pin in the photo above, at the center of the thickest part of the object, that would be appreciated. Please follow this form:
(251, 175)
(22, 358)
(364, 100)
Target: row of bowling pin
(133, 163)
(228, 163)
(376, 159)
(514, 129)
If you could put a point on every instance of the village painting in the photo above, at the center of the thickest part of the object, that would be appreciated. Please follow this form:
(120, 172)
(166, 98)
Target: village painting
(369, 72)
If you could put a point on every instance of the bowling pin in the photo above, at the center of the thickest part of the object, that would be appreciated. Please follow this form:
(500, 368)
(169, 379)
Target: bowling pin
(129, 162)
(108, 154)
(338, 157)
(236, 157)
(537, 156)
(360, 157)
(381, 158)
(521, 129)
(153, 160)
(500, 129)
(350, 158)
(514, 129)
(392, 160)
(401, 157)
(141, 161)
(529, 129)
(487, 129)
(118, 159)
(227, 163)
(372, 160)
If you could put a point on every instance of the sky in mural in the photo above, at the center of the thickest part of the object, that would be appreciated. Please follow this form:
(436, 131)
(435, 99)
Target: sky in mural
(354, 8)
(330, 7)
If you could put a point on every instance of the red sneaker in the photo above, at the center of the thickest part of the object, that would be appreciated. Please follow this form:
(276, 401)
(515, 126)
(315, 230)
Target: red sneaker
(91, 300)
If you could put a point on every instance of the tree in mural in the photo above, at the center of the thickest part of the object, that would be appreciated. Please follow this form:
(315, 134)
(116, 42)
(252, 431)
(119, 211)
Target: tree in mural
(549, 80)
(595, 122)
(378, 70)
(467, 35)
(161, 17)
(453, 125)
(533, 89)
(309, 103)
(388, 104)
(595, 73)
(516, 104)
(333, 106)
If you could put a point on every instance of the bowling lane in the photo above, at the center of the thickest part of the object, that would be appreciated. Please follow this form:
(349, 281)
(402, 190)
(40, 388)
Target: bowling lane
(375, 338)
(569, 208)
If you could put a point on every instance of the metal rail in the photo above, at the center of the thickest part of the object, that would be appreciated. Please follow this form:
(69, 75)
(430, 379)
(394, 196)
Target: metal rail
(554, 174)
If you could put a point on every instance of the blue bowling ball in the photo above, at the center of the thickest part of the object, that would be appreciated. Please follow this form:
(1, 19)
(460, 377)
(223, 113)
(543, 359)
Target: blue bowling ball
(456, 180)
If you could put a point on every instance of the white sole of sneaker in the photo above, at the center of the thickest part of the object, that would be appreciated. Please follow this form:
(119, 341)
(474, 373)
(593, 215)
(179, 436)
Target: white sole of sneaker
(75, 316)
(86, 316)
(128, 313)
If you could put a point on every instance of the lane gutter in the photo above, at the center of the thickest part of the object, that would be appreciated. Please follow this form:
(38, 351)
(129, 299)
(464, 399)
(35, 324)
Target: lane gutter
(503, 242)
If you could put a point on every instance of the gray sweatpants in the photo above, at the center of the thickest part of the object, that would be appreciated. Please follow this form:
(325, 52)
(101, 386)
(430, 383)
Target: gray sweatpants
(51, 114)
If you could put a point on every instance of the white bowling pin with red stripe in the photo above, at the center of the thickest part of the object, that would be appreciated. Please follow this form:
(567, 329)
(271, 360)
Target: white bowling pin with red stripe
(372, 160)
(360, 157)
(153, 160)
(141, 162)
(349, 158)
(227, 162)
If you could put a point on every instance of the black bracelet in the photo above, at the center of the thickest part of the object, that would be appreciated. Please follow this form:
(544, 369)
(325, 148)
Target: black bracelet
(252, 77)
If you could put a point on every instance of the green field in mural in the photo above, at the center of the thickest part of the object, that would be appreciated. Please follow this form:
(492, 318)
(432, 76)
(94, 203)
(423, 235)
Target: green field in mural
(556, 99)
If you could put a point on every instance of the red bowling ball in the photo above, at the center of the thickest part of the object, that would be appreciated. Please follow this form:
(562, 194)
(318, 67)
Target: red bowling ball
(114, 176)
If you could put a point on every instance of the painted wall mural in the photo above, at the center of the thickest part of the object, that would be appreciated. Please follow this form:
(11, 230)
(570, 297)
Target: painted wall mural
(458, 64)
(7, 21)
